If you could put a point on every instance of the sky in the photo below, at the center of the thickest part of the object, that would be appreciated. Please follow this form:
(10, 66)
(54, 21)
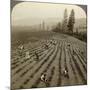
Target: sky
(32, 13)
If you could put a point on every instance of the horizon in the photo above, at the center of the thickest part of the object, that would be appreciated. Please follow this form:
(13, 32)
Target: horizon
(29, 14)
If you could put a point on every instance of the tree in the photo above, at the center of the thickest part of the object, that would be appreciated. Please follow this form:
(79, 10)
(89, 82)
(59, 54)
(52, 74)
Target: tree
(43, 25)
(57, 28)
(71, 22)
(64, 24)
(77, 31)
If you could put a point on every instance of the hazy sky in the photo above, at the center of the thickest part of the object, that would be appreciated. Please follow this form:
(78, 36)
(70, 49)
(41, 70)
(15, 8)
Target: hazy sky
(30, 13)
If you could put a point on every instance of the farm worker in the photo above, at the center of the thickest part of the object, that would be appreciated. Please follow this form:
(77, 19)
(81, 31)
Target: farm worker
(65, 72)
(43, 78)
(68, 45)
(27, 55)
(54, 43)
(37, 56)
(73, 52)
(21, 47)
(46, 46)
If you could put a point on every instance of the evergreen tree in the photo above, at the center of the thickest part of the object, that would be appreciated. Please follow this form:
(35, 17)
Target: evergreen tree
(43, 25)
(76, 30)
(57, 28)
(71, 22)
(64, 24)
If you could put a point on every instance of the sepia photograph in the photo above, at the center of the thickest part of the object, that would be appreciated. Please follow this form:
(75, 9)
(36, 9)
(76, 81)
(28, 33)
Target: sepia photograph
(48, 45)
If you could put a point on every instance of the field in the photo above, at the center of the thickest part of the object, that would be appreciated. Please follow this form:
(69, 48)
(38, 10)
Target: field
(63, 51)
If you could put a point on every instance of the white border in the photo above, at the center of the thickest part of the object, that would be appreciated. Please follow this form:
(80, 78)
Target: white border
(5, 44)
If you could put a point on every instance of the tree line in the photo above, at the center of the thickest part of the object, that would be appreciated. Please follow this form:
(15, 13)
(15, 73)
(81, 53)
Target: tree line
(67, 24)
